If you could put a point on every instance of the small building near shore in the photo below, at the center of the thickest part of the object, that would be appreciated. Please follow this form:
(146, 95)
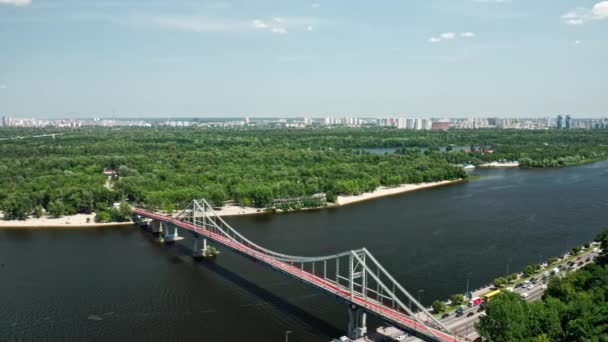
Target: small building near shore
(109, 172)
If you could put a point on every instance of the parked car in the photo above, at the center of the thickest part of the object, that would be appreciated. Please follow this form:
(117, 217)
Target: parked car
(458, 314)
(445, 315)
(580, 263)
(470, 314)
(524, 295)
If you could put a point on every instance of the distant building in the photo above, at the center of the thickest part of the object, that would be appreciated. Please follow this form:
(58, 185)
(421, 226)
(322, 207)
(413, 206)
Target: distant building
(109, 172)
(568, 122)
(560, 122)
(440, 125)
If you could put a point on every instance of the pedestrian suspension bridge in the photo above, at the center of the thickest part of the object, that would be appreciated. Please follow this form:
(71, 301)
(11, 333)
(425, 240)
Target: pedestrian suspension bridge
(354, 277)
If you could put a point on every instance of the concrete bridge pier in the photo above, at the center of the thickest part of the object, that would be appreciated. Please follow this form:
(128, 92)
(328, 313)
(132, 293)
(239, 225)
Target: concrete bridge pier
(357, 318)
(156, 226)
(205, 251)
(197, 251)
(171, 234)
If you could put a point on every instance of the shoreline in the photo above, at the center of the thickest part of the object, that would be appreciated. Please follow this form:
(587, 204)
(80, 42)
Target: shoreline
(386, 191)
(79, 220)
(500, 165)
(73, 221)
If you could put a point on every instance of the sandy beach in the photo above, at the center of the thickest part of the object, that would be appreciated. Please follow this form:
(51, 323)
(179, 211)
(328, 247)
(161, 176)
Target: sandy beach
(503, 164)
(237, 210)
(74, 221)
(384, 191)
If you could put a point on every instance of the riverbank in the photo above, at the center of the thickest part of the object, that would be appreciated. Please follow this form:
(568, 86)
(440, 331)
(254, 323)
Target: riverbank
(88, 220)
(500, 164)
(73, 221)
(385, 191)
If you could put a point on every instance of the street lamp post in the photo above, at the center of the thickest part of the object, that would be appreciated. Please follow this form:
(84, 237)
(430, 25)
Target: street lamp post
(287, 335)
(466, 294)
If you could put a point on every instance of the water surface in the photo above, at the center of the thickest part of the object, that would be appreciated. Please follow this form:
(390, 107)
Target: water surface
(117, 283)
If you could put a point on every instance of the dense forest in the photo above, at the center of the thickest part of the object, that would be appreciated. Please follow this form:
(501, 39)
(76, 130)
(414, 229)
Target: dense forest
(573, 308)
(164, 168)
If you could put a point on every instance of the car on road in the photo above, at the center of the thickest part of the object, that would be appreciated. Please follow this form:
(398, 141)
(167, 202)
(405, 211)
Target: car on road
(588, 259)
(459, 314)
(445, 315)
(533, 280)
(400, 337)
(580, 263)
(481, 308)
(518, 285)
(470, 314)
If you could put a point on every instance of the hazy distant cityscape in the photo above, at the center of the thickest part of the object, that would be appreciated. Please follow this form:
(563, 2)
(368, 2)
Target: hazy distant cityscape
(559, 122)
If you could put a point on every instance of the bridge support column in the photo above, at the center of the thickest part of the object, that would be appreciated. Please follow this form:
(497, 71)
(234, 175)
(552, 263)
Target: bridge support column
(197, 252)
(156, 226)
(357, 325)
(171, 234)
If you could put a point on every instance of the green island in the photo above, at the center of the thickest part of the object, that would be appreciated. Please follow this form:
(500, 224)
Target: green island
(573, 308)
(163, 168)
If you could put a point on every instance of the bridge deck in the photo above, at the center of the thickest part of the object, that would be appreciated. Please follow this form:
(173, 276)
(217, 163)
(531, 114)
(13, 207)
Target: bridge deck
(372, 306)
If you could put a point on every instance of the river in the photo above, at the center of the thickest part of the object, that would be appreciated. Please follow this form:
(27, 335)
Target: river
(118, 284)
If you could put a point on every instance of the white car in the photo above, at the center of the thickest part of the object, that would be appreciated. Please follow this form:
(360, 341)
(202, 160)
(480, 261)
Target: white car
(524, 295)
(400, 337)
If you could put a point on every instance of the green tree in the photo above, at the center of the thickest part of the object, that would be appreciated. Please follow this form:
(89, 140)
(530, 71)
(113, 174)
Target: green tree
(102, 216)
(438, 306)
(505, 320)
(575, 250)
(38, 211)
(500, 282)
(457, 298)
(125, 210)
(17, 206)
(512, 277)
(56, 208)
(531, 269)
(552, 261)
(602, 238)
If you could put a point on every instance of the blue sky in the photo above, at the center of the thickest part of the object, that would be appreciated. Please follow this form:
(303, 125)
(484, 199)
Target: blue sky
(68, 58)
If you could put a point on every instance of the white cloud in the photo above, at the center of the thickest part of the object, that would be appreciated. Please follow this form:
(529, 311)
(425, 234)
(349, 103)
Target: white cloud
(600, 9)
(15, 2)
(582, 15)
(201, 24)
(279, 30)
(259, 24)
(450, 36)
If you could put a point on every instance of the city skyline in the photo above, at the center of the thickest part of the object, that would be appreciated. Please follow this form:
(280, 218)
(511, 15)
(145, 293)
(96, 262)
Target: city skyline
(465, 58)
